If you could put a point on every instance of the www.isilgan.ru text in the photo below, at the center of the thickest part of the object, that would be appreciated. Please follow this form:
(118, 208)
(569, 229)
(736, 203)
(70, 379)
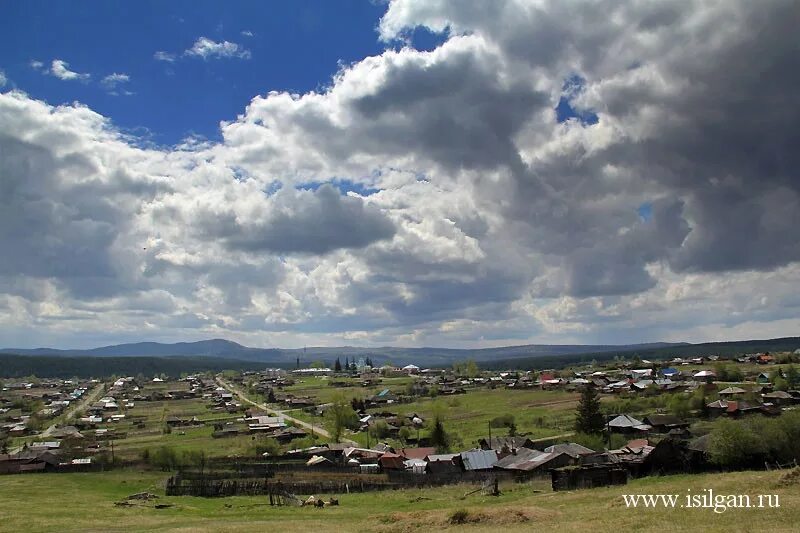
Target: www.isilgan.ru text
(706, 499)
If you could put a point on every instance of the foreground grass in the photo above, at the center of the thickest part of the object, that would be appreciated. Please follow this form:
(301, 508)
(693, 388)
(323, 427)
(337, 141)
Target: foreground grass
(85, 502)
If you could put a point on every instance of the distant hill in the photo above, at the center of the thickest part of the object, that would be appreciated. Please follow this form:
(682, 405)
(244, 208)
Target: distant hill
(225, 349)
(657, 353)
(219, 354)
(67, 366)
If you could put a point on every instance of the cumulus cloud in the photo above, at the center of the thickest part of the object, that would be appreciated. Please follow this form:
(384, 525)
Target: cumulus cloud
(60, 69)
(439, 197)
(209, 49)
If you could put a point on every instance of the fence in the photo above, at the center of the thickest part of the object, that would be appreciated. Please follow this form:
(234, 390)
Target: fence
(178, 485)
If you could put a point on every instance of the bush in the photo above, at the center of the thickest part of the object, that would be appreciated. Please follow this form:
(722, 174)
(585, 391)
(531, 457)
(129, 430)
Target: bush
(459, 516)
(267, 445)
(503, 421)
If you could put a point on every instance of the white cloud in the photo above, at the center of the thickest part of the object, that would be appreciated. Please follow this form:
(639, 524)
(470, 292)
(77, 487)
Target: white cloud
(60, 69)
(164, 56)
(112, 81)
(471, 215)
(247, 33)
(208, 48)
(3, 78)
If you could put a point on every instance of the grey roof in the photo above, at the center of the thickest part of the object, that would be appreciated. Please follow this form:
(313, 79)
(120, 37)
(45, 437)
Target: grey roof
(732, 390)
(778, 394)
(625, 421)
(571, 449)
(525, 459)
(478, 459)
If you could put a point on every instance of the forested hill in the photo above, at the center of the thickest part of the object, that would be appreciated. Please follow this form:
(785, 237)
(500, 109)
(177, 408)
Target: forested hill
(49, 366)
(724, 349)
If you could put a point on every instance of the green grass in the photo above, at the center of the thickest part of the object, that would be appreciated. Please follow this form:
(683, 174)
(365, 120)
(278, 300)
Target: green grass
(85, 502)
(536, 412)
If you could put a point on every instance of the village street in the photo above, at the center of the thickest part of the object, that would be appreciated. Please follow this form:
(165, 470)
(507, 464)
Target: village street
(315, 429)
(87, 399)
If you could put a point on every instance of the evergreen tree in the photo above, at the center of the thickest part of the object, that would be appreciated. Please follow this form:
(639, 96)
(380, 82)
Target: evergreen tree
(347, 363)
(588, 418)
(337, 367)
(439, 437)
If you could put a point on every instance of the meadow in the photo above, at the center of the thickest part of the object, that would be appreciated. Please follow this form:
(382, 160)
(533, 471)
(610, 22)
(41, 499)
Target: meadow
(86, 502)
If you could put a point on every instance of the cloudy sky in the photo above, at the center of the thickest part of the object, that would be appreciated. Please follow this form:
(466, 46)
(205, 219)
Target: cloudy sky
(419, 172)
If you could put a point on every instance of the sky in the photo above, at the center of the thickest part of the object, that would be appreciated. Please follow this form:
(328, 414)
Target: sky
(412, 172)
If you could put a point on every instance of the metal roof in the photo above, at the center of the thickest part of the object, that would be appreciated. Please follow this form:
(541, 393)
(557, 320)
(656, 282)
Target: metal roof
(478, 459)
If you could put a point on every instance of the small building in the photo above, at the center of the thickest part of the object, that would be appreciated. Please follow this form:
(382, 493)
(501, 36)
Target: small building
(476, 460)
(627, 424)
(665, 423)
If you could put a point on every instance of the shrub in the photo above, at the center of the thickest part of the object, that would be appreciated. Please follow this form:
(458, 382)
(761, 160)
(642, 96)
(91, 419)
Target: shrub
(459, 516)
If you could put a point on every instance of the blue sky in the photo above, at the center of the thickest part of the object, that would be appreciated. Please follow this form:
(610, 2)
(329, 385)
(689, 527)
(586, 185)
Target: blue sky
(294, 46)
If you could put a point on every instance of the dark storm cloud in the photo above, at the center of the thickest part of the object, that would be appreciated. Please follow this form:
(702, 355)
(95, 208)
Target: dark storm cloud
(310, 222)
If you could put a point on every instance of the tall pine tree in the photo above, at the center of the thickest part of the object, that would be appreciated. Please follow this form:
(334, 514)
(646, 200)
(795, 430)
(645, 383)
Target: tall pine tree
(337, 367)
(588, 418)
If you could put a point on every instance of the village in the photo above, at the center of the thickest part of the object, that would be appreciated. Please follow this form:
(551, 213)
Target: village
(333, 429)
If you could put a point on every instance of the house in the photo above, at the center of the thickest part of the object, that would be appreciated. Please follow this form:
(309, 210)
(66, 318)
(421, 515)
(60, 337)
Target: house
(705, 375)
(475, 460)
(506, 444)
(717, 408)
(665, 423)
(392, 461)
(731, 392)
(385, 396)
(285, 435)
(763, 378)
(779, 398)
(528, 461)
(764, 358)
(572, 449)
(448, 463)
(738, 408)
(670, 373)
(317, 461)
(411, 369)
(627, 424)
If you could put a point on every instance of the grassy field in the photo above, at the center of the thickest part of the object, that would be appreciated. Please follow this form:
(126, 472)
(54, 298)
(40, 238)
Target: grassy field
(154, 414)
(85, 502)
(536, 412)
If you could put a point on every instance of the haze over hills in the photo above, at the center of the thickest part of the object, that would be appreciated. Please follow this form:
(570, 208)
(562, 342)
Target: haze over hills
(221, 348)
(507, 355)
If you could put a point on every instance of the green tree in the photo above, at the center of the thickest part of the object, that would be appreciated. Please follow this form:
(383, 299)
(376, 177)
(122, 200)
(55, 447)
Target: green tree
(792, 377)
(439, 437)
(588, 418)
(340, 416)
(679, 405)
(337, 367)
(404, 434)
(732, 444)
